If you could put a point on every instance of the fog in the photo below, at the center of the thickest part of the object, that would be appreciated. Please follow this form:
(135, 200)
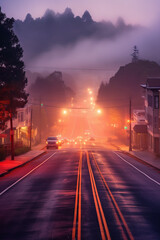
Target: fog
(89, 51)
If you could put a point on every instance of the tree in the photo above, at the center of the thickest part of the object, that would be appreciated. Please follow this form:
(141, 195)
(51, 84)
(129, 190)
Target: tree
(135, 54)
(87, 17)
(12, 74)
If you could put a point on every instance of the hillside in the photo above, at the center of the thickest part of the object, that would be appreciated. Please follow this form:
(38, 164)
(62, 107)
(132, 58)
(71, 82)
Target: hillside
(126, 83)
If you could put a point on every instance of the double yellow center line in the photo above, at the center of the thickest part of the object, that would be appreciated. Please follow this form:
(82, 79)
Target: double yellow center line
(120, 215)
(104, 230)
(77, 209)
(100, 214)
(76, 230)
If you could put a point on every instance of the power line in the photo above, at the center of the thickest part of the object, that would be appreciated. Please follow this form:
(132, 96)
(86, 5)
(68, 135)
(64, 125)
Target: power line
(68, 68)
(78, 108)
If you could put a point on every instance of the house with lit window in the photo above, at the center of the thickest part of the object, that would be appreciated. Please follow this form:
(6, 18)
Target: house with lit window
(152, 88)
(23, 124)
(139, 130)
(25, 130)
(26, 126)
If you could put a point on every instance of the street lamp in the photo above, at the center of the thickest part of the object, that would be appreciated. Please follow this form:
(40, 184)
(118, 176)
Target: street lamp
(64, 112)
(99, 111)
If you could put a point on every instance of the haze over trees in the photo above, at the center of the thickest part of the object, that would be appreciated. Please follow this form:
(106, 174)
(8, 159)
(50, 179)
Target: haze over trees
(55, 30)
(48, 96)
(12, 74)
(125, 84)
(51, 89)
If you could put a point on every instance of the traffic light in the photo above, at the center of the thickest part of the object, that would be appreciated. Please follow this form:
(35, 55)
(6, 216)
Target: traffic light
(125, 127)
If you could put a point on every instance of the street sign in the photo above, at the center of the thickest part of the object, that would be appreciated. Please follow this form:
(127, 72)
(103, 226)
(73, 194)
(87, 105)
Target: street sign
(11, 132)
(4, 102)
(3, 135)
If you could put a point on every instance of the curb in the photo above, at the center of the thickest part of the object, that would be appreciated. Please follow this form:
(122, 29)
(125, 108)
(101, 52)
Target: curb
(140, 160)
(11, 169)
(136, 158)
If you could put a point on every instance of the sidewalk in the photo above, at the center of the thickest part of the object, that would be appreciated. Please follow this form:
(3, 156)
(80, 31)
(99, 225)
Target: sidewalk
(145, 156)
(8, 164)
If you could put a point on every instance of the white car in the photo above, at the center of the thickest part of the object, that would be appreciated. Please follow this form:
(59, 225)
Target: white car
(52, 142)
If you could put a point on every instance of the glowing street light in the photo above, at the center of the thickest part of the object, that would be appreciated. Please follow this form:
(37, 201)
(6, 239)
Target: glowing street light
(99, 111)
(64, 112)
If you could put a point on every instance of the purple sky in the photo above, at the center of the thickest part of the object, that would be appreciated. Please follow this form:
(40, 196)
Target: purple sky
(102, 52)
(144, 12)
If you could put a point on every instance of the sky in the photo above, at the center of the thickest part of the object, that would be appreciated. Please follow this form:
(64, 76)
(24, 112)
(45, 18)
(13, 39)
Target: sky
(144, 12)
(103, 53)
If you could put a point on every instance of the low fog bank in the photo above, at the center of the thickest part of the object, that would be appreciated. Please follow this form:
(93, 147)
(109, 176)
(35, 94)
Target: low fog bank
(87, 52)
(54, 30)
(102, 54)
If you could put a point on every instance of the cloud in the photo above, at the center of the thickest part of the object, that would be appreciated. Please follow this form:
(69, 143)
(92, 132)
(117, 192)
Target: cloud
(66, 42)
(65, 32)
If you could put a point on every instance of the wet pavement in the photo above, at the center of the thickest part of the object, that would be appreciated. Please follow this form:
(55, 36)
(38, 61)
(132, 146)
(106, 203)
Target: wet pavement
(83, 192)
(8, 164)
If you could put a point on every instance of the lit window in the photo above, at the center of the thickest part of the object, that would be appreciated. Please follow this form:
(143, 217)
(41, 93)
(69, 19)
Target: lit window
(156, 102)
(150, 100)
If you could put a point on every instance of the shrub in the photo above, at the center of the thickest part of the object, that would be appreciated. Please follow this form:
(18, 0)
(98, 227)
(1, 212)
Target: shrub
(21, 150)
(2, 153)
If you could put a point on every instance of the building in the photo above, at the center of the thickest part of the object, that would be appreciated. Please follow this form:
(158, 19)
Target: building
(139, 130)
(24, 124)
(139, 116)
(25, 129)
(152, 88)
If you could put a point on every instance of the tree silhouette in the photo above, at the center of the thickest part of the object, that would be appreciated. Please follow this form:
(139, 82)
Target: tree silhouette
(12, 74)
(135, 54)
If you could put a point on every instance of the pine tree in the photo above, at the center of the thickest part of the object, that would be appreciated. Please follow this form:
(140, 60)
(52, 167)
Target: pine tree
(135, 54)
(12, 74)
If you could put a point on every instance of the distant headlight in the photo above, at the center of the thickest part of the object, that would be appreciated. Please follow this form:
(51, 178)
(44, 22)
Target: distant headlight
(57, 142)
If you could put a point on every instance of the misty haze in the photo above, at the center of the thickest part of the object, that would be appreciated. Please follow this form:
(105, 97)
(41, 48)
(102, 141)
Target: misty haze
(79, 120)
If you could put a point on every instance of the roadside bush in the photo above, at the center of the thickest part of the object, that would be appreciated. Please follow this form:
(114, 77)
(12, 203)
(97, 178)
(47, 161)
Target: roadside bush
(21, 150)
(2, 154)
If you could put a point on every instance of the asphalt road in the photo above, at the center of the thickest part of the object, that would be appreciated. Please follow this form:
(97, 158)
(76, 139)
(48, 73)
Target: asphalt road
(80, 192)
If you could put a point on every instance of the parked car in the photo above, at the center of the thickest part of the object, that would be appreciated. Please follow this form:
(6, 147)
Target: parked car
(92, 139)
(52, 142)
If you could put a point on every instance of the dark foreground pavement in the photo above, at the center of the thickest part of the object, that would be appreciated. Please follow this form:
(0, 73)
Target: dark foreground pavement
(80, 193)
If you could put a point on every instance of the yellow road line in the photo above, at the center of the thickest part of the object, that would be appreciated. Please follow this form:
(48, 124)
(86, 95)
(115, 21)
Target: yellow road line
(100, 214)
(115, 203)
(77, 210)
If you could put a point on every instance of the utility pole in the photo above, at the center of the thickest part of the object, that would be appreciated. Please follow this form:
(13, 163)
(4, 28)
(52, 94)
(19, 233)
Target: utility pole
(130, 129)
(40, 121)
(11, 129)
(31, 128)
